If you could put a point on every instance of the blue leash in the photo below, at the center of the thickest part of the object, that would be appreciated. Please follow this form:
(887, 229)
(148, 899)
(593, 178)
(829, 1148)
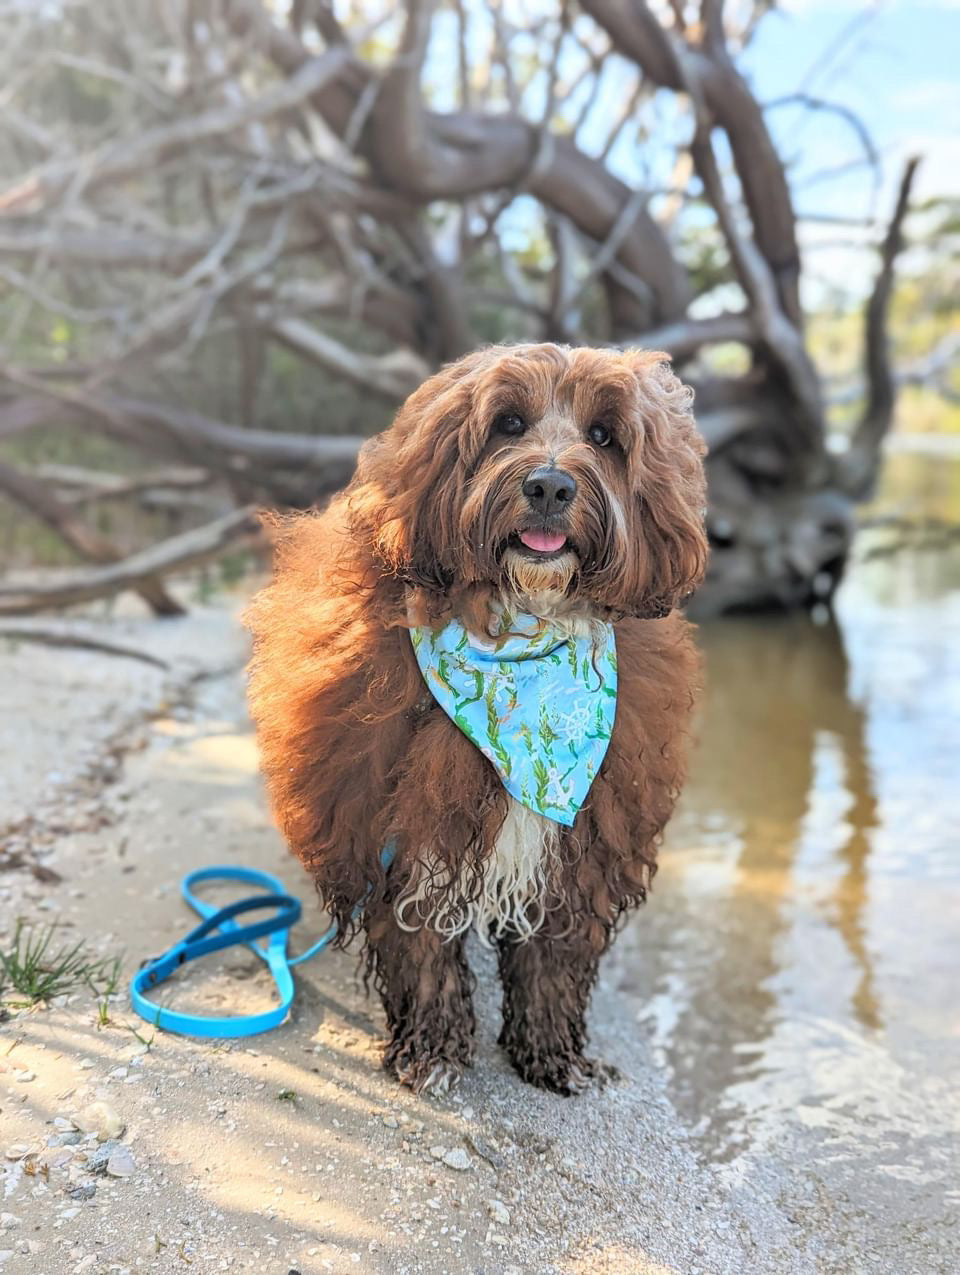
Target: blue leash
(218, 930)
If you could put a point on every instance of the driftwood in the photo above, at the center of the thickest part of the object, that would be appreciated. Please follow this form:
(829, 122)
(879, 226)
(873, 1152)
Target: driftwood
(75, 639)
(257, 181)
(863, 460)
(34, 495)
(176, 554)
(79, 486)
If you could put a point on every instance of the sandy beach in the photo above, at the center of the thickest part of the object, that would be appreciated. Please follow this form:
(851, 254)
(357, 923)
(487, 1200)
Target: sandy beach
(127, 1149)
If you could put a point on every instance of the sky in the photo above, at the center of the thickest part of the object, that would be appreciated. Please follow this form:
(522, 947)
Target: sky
(899, 71)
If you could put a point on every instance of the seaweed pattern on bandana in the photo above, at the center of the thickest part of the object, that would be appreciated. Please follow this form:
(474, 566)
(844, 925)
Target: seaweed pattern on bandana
(537, 702)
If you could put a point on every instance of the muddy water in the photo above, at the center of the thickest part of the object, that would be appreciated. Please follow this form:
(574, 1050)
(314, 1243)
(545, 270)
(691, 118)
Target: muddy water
(797, 969)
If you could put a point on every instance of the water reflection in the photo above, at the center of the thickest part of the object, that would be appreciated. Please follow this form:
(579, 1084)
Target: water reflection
(796, 965)
(778, 813)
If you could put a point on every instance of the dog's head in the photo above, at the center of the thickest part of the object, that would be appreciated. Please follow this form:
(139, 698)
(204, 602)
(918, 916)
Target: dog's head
(537, 469)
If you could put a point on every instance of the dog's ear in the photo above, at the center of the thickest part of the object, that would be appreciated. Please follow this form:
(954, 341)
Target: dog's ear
(410, 480)
(670, 487)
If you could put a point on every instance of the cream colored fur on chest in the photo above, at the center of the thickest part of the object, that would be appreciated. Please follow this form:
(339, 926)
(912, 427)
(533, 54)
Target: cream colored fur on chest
(514, 884)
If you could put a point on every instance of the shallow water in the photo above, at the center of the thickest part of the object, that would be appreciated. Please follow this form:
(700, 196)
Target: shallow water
(797, 965)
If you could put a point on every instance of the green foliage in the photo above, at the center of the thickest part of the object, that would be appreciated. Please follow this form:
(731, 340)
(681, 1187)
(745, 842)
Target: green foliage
(234, 566)
(922, 409)
(36, 969)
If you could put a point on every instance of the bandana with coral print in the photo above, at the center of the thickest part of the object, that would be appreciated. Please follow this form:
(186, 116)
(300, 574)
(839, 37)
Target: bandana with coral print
(538, 703)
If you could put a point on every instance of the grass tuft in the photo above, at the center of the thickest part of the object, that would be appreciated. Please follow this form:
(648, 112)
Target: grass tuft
(37, 969)
(147, 1044)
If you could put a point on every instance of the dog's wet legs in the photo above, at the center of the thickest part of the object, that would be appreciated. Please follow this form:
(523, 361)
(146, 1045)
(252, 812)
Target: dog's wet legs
(427, 991)
(547, 983)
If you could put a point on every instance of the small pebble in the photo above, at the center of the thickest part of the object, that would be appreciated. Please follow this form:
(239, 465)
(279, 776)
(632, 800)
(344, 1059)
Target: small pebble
(100, 1118)
(457, 1159)
(24, 1077)
(97, 1158)
(120, 1164)
(499, 1212)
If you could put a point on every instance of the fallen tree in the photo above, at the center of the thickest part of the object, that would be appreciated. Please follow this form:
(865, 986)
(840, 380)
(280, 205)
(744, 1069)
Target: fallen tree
(176, 554)
(216, 185)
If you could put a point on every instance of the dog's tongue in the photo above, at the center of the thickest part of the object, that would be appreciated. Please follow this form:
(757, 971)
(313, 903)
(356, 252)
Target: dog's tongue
(543, 541)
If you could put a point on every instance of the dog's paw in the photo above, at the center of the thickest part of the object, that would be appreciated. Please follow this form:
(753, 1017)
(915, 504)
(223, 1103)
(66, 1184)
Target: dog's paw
(424, 1074)
(567, 1076)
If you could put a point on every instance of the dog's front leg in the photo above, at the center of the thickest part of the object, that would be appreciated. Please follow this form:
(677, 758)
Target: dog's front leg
(546, 989)
(426, 987)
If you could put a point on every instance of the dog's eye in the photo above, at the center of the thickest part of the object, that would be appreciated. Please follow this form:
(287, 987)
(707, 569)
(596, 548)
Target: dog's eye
(510, 423)
(599, 434)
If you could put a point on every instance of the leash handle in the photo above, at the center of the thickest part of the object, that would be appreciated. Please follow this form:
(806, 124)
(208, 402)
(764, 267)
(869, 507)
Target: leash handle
(219, 929)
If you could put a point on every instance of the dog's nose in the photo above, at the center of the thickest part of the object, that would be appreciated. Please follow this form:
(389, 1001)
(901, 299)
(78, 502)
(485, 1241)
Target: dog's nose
(549, 490)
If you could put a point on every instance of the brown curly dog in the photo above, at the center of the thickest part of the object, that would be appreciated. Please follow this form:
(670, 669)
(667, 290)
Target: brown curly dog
(564, 483)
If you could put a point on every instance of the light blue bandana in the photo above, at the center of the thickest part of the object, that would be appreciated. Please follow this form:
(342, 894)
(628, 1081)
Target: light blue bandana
(538, 703)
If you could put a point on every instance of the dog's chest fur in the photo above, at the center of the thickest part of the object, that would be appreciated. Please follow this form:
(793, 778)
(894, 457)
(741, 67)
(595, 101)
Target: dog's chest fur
(512, 891)
(515, 882)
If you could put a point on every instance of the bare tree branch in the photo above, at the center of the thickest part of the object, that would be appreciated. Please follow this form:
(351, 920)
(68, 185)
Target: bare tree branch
(392, 376)
(862, 461)
(34, 496)
(176, 554)
(782, 339)
(85, 486)
(126, 158)
(112, 248)
(723, 98)
(74, 638)
(834, 108)
(430, 156)
(229, 449)
(685, 338)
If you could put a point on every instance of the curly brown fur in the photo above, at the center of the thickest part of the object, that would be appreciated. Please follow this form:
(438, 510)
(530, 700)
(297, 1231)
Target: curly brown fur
(355, 750)
(426, 987)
